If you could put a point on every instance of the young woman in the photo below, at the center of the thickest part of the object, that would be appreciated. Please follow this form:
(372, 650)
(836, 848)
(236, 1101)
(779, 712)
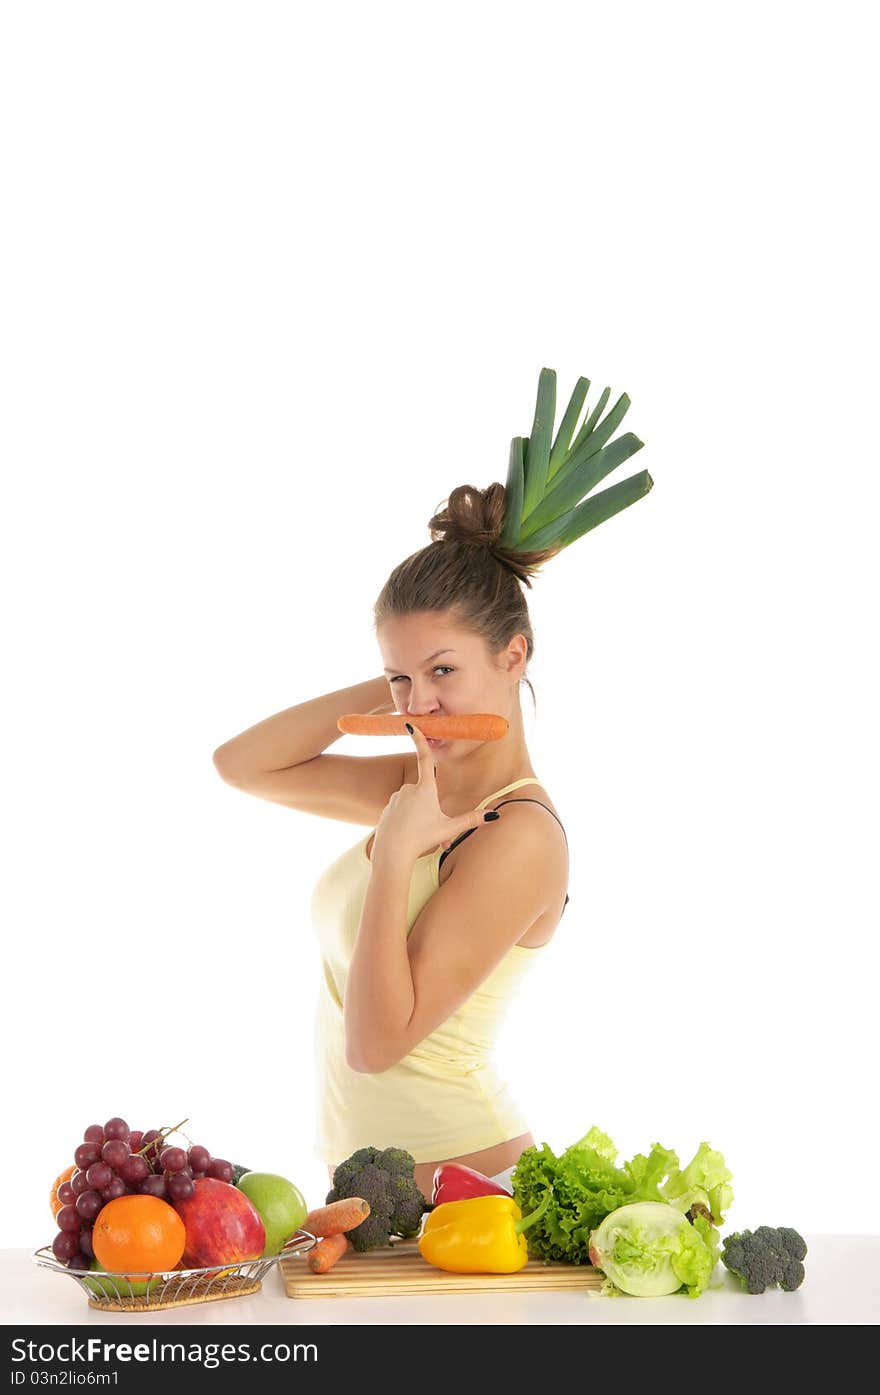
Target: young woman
(428, 924)
(426, 930)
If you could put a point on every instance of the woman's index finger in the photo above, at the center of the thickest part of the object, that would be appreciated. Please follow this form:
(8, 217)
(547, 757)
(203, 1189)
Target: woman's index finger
(423, 751)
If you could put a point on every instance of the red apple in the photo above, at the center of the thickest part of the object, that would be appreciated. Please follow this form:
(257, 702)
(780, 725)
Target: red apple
(222, 1225)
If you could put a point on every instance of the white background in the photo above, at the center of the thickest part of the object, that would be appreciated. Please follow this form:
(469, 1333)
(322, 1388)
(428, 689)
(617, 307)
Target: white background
(276, 279)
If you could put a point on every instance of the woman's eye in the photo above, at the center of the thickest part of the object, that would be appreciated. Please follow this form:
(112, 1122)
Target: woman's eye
(402, 677)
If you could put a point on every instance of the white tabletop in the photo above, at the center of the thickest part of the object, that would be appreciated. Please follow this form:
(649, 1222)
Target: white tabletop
(840, 1287)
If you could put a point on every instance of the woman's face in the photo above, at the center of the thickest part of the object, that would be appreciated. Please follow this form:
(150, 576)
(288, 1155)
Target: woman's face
(434, 669)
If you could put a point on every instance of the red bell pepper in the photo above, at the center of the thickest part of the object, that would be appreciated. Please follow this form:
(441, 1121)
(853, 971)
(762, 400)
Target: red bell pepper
(455, 1182)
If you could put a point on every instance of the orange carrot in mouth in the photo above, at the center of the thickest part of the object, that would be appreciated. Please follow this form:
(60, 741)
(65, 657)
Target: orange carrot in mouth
(464, 726)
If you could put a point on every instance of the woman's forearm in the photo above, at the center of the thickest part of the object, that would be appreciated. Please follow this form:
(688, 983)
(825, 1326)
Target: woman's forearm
(379, 994)
(298, 733)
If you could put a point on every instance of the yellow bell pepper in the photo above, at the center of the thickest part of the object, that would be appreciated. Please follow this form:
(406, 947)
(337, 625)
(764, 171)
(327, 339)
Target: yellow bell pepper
(479, 1235)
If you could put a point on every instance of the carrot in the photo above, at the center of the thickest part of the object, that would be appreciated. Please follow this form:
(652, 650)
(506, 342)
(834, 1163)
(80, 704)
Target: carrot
(464, 726)
(340, 1215)
(327, 1252)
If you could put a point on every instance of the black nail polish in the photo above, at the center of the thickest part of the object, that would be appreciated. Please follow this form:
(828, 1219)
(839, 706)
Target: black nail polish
(492, 814)
(408, 727)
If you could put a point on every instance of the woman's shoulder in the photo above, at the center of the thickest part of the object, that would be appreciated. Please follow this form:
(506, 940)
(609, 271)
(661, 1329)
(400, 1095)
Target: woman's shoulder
(528, 792)
(552, 840)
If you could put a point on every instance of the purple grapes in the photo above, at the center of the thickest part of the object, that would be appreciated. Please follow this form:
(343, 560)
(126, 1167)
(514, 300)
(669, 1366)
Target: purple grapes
(154, 1185)
(114, 1153)
(65, 1245)
(179, 1186)
(172, 1160)
(133, 1170)
(88, 1204)
(221, 1169)
(86, 1154)
(99, 1176)
(78, 1182)
(198, 1158)
(68, 1219)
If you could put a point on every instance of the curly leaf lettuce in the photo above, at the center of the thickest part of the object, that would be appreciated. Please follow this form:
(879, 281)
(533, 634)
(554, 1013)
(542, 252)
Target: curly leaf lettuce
(703, 1185)
(588, 1184)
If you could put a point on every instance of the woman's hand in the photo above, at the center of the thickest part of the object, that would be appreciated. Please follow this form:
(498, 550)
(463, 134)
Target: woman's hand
(412, 822)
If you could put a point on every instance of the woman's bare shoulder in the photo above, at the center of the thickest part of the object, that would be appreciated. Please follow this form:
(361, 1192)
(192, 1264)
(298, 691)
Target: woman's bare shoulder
(527, 792)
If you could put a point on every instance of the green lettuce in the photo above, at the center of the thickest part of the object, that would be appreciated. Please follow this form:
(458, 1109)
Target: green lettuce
(703, 1185)
(649, 1249)
(588, 1184)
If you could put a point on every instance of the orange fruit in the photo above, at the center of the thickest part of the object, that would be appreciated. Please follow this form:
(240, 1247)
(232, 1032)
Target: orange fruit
(64, 1176)
(138, 1234)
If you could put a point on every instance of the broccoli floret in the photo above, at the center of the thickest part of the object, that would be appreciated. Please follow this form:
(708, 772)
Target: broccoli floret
(793, 1242)
(370, 1182)
(770, 1255)
(409, 1205)
(384, 1178)
(360, 1159)
(397, 1161)
(372, 1234)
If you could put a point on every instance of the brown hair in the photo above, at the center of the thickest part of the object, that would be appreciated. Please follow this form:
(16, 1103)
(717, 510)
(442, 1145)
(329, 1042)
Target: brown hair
(464, 570)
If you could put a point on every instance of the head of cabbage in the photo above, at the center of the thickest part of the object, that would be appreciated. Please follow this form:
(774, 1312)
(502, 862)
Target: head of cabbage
(648, 1248)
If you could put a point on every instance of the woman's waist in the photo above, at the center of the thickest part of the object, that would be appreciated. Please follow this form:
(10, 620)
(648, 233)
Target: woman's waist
(430, 1107)
(436, 1056)
(461, 1042)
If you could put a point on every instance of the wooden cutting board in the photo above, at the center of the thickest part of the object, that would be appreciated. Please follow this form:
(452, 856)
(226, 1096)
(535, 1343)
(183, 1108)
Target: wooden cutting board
(401, 1269)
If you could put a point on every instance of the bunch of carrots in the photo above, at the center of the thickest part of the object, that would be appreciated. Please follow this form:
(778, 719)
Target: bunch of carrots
(330, 1223)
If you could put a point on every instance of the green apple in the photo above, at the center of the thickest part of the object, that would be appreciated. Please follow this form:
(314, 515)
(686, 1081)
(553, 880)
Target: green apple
(119, 1285)
(281, 1206)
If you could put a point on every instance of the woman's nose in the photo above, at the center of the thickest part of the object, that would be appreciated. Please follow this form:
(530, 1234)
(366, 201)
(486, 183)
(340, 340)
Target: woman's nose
(420, 709)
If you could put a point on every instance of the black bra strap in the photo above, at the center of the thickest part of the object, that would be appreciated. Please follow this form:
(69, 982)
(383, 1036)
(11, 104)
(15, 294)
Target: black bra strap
(523, 800)
(526, 800)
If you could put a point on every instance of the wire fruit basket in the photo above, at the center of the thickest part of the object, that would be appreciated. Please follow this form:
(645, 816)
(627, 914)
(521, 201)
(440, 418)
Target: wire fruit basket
(142, 1292)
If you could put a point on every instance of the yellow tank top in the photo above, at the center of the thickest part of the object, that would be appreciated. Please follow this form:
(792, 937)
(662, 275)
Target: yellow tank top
(445, 1097)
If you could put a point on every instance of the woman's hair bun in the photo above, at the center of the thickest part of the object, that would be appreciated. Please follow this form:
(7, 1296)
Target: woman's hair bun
(475, 518)
(471, 515)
